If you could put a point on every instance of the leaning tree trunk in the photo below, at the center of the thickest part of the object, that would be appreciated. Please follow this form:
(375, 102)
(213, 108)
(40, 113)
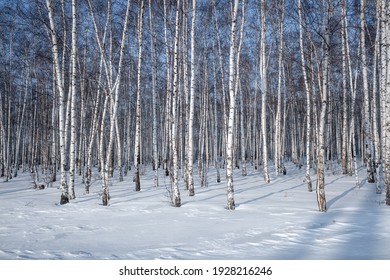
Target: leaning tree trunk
(113, 97)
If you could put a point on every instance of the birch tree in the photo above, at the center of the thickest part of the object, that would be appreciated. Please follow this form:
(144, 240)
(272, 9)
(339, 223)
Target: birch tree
(20, 127)
(176, 200)
(366, 118)
(72, 159)
(137, 150)
(263, 77)
(323, 114)
(345, 89)
(111, 99)
(154, 94)
(278, 118)
(61, 106)
(190, 148)
(375, 127)
(352, 127)
(232, 107)
(167, 132)
(385, 93)
(238, 88)
(308, 98)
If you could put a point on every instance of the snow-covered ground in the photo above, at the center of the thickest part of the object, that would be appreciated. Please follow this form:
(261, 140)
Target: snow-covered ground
(272, 221)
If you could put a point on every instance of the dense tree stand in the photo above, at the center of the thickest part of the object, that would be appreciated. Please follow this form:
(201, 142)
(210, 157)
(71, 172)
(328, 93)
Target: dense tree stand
(90, 89)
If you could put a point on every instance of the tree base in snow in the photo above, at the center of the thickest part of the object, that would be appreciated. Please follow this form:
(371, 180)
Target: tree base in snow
(105, 199)
(64, 199)
(370, 178)
(230, 207)
(39, 186)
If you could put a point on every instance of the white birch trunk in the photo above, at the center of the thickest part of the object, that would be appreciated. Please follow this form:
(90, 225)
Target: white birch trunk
(386, 93)
(63, 185)
(352, 82)
(366, 116)
(190, 144)
(167, 133)
(321, 200)
(345, 90)
(72, 159)
(137, 150)
(186, 90)
(20, 126)
(216, 154)
(112, 96)
(375, 127)
(263, 76)
(278, 132)
(154, 95)
(238, 87)
(119, 151)
(2, 139)
(93, 132)
(54, 120)
(176, 200)
(242, 132)
(232, 105)
(222, 71)
(308, 98)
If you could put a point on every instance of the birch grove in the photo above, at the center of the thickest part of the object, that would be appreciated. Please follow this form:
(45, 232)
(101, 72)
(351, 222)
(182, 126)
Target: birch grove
(91, 89)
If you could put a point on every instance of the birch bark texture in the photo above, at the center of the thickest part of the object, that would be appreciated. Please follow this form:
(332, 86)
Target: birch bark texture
(72, 158)
(320, 190)
(232, 108)
(190, 144)
(366, 118)
(176, 200)
(278, 118)
(61, 106)
(154, 93)
(137, 141)
(308, 99)
(385, 92)
(263, 80)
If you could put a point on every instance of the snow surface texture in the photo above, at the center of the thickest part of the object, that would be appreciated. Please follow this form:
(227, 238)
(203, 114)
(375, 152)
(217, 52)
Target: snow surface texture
(272, 221)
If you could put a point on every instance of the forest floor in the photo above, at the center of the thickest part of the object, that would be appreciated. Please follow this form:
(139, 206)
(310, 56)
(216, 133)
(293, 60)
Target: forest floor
(272, 221)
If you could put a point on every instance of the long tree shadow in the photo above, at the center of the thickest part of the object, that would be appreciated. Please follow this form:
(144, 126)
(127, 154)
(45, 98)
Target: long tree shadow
(333, 200)
(268, 195)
